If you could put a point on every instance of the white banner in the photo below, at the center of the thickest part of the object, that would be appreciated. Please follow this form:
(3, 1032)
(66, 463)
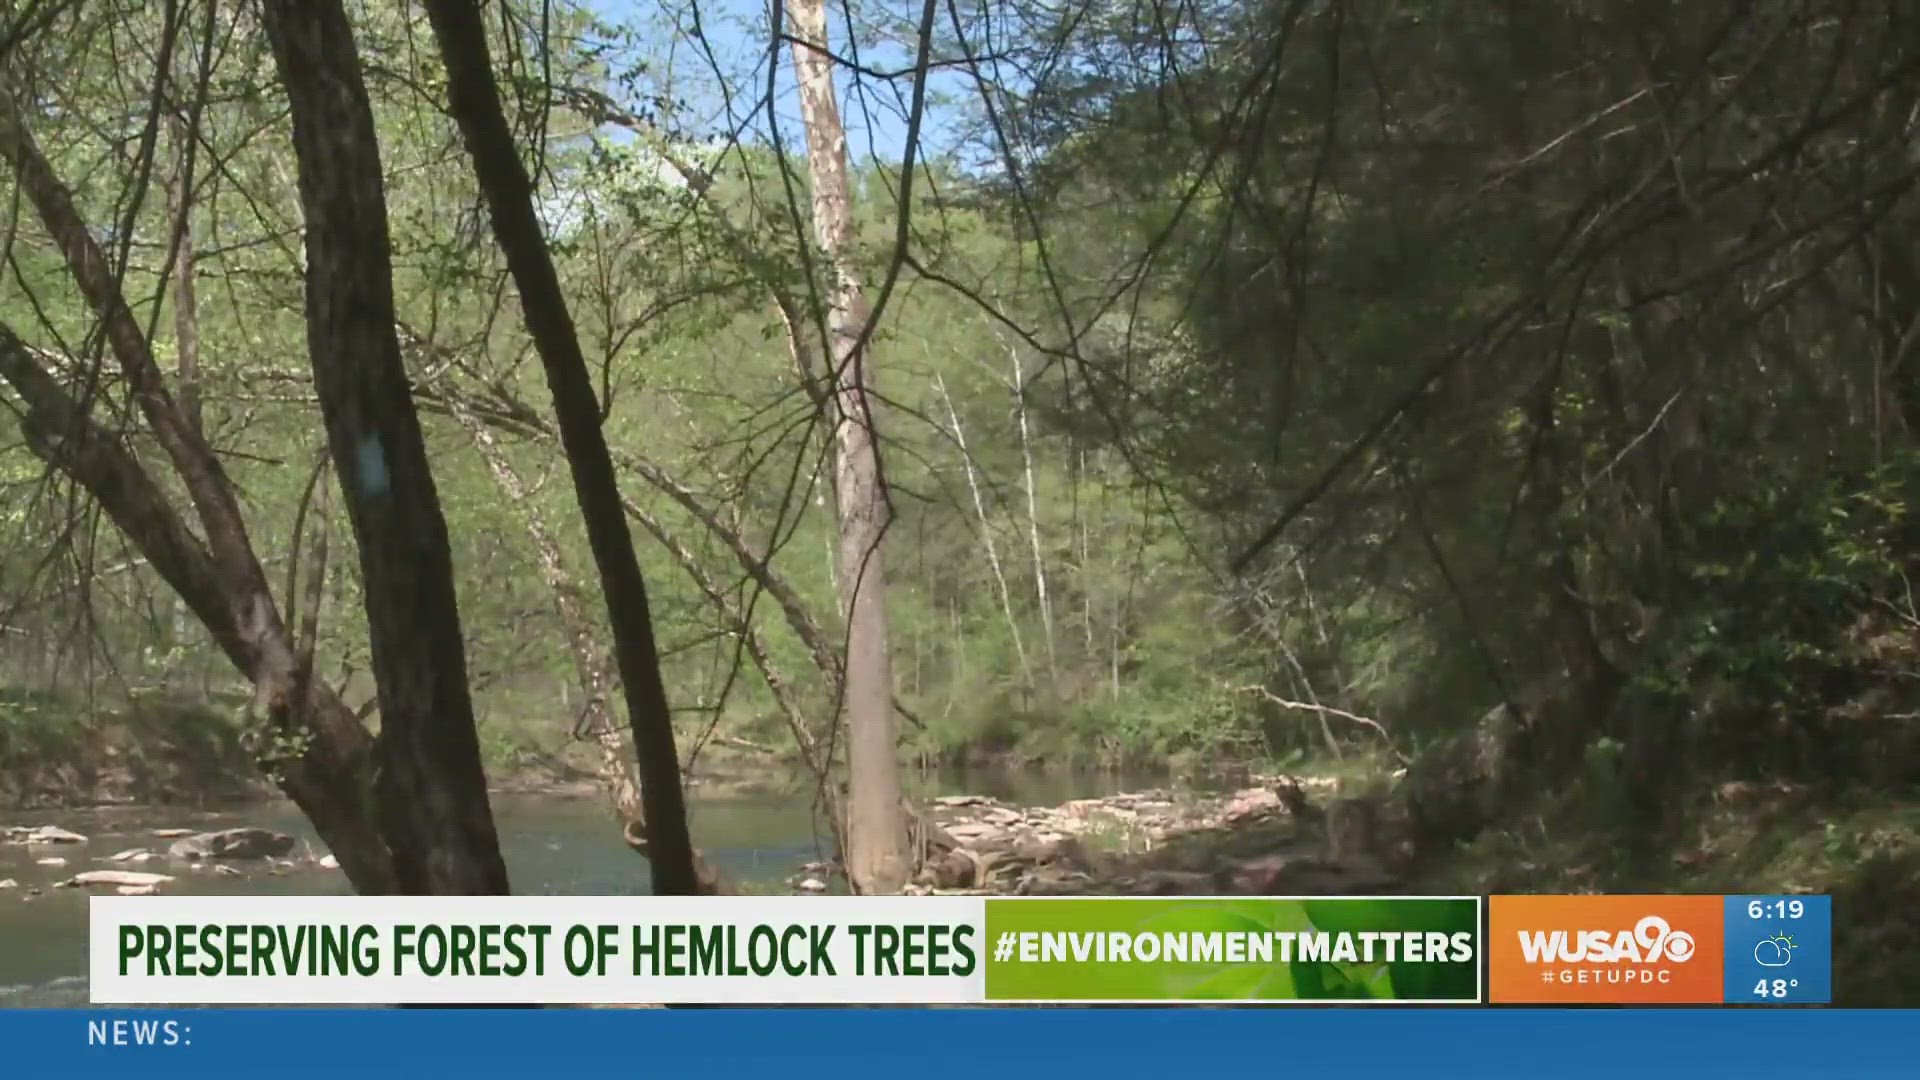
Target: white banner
(234, 950)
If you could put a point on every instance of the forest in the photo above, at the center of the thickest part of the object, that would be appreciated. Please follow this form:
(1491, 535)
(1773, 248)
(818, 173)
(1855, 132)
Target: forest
(1511, 404)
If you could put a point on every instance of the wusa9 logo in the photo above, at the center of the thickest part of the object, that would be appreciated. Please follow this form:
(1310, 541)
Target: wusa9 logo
(1605, 949)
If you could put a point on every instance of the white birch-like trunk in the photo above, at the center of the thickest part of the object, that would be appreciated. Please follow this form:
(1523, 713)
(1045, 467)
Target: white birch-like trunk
(986, 533)
(1033, 509)
(876, 825)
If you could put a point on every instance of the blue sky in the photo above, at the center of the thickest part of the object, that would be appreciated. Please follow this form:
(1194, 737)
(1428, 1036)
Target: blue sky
(737, 33)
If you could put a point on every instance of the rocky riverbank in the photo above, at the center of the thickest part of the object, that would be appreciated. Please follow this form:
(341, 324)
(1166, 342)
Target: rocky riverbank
(1282, 834)
(1296, 835)
(176, 851)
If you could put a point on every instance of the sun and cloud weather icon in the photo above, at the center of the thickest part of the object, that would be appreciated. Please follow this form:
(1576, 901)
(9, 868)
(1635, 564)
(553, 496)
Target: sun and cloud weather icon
(1774, 952)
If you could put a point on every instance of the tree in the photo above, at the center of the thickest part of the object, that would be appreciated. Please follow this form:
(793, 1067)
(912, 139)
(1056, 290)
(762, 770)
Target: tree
(475, 102)
(431, 786)
(876, 858)
(409, 812)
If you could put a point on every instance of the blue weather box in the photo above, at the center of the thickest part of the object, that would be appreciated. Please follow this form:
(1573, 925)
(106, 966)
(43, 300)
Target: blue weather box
(1779, 950)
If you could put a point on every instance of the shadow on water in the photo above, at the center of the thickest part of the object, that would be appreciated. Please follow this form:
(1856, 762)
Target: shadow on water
(554, 845)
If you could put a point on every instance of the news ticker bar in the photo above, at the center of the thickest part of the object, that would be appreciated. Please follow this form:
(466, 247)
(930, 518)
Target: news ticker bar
(962, 1044)
(553, 950)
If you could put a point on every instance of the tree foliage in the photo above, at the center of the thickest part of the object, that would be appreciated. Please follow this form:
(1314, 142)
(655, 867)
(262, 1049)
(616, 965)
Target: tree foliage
(1257, 378)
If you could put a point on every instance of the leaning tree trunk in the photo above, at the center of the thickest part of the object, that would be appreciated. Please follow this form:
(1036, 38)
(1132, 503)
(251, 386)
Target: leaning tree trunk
(431, 788)
(474, 100)
(591, 665)
(325, 777)
(876, 827)
(326, 757)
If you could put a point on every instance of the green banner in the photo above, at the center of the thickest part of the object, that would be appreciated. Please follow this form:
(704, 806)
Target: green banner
(1386, 949)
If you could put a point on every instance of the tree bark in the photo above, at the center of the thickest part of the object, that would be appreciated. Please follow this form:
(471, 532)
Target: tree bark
(431, 786)
(474, 100)
(876, 828)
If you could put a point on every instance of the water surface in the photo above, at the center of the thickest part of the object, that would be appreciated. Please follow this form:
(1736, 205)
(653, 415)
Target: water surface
(554, 845)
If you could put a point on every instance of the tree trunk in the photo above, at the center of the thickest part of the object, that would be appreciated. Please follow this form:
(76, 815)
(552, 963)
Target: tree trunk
(986, 534)
(431, 787)
(474, 100)
(1033, 510)
(876, 828)
(591, 665)
(816, 758)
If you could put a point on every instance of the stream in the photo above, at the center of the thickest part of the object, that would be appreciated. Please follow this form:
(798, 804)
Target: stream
(554, 845)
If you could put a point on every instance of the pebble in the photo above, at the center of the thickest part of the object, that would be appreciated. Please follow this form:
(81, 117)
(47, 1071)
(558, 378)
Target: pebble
(45, 834)
(125, 878)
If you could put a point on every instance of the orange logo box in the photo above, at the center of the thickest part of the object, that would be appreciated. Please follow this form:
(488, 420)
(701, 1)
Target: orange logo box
(1612, 950)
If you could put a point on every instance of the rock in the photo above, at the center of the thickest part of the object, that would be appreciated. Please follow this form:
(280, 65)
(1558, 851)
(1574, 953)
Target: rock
(328, 862)
(232, 844)
(1049, 849)
(8, 883)
(1252, 802)
(131, 878)
(138, 854)
(44, 834)
(812, 885)
(968, 831)
(136, 890)
(963, 800)
(949, 870)
(51, 860)
(170, 834)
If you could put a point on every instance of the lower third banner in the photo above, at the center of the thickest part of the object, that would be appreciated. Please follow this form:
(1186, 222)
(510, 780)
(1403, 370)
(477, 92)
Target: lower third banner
(552, 950)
